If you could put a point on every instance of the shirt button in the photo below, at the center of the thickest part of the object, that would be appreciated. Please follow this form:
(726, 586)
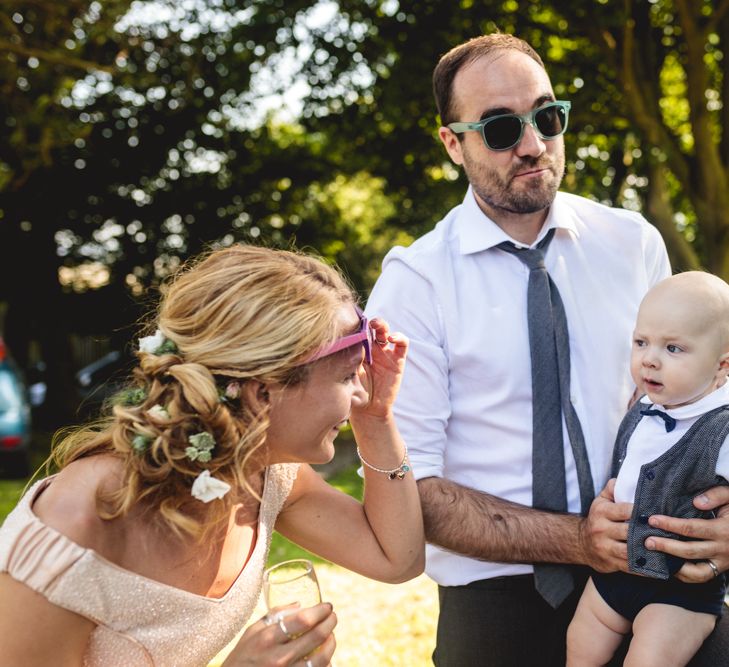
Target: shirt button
(640, 562)
(643, 518)
(650, 475)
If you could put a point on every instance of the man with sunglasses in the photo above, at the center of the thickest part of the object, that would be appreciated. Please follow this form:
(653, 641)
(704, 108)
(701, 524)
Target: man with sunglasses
(470, 406)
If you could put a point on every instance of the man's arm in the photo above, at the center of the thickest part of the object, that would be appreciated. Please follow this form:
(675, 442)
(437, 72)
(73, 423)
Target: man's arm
(457, 518)
(483, 526)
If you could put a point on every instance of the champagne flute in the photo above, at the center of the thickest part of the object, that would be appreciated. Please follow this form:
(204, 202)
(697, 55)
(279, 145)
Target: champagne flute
(289, 582)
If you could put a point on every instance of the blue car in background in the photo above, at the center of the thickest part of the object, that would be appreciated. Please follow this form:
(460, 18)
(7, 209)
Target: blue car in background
(15, 422)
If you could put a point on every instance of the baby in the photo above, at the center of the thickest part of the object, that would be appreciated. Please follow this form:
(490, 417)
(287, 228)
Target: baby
(669, 449)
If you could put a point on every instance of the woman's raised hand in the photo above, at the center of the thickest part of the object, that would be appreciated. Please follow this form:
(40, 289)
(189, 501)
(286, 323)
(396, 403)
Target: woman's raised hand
(388, 362)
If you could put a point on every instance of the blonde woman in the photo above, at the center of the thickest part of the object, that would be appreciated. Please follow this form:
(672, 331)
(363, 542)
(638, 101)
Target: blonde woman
(148, 547)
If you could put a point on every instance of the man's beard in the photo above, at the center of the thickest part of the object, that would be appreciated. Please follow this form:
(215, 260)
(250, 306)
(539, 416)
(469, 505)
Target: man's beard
(497, 192)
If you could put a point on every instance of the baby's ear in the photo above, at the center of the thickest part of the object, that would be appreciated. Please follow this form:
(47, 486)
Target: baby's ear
(724, 361)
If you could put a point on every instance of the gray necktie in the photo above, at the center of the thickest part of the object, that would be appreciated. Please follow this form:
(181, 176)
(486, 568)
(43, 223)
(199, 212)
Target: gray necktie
(550, 360)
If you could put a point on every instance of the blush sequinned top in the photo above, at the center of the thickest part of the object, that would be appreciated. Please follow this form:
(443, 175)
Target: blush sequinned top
(139, 621)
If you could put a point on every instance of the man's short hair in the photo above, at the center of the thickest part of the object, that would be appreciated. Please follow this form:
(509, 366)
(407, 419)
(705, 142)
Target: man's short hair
(450, 64)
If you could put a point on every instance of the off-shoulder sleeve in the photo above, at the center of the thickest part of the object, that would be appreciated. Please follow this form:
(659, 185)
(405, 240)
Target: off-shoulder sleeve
(31, 552)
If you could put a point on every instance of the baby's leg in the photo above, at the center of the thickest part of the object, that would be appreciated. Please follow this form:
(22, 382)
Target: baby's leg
(595, 632)
(665, 635)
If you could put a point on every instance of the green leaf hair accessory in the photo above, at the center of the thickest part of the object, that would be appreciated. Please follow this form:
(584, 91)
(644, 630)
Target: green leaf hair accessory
(159, 412)
(168, 347)
(132, 397)
(157, 344)
(201, 447)
(140, 443)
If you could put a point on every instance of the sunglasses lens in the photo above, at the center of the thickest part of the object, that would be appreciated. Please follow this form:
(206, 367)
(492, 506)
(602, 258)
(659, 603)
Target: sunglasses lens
(551, 121)
(502, 133)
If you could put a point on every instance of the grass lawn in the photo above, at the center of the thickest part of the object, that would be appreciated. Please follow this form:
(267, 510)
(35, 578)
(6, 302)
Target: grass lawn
(10, 490)
(379, 624)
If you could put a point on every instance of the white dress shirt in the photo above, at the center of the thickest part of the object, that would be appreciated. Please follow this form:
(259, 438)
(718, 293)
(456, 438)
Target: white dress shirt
(650, 439)
(465, 406)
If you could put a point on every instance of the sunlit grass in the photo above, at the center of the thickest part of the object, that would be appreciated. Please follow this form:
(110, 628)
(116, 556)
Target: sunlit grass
(10, 491)
(379, 624)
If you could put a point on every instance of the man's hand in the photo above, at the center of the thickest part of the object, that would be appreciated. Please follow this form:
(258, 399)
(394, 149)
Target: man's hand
(709, 537)
(604, 532)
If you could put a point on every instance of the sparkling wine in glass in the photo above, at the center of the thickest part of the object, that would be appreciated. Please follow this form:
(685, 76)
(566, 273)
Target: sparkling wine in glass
(289, 582)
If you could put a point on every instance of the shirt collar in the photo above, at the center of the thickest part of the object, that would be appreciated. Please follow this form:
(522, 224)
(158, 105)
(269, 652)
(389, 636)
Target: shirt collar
(477, 232)
(715, 399)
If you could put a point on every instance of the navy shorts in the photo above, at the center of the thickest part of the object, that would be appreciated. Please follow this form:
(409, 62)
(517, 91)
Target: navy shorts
(627, 594)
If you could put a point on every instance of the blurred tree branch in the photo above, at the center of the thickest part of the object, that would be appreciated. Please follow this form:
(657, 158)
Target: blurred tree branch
(54, 57)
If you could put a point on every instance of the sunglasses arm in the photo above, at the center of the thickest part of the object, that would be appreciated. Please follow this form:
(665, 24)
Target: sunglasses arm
(464, 127)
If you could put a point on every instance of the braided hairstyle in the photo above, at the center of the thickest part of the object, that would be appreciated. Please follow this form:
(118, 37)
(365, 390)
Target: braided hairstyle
(235, 315)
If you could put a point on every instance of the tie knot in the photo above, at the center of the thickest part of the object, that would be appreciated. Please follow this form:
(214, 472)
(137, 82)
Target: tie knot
(532, 257)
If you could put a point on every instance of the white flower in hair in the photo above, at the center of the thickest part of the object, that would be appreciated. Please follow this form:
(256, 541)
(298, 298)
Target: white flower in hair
(152, 343)
(159, 412)
(207, 488)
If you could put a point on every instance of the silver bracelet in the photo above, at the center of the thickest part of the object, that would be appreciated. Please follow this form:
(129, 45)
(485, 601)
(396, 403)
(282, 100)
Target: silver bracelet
(395, 473)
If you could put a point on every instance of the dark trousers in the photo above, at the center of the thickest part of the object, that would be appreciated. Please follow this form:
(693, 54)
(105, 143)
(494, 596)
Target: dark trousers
(501, 622)
(504, 622)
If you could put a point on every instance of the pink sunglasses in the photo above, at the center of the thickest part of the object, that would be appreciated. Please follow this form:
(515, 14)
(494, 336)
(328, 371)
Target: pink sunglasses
(363, 335)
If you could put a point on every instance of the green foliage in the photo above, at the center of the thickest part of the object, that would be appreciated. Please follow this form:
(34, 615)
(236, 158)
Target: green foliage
(675, 107)
(150, 153)
(348, 481)
(133, 136)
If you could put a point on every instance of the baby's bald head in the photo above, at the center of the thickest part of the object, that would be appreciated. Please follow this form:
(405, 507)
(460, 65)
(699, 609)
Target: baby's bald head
(697, 299)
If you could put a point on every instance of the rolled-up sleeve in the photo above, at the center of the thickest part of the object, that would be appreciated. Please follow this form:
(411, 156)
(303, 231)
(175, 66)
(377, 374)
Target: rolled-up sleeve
(408, 302)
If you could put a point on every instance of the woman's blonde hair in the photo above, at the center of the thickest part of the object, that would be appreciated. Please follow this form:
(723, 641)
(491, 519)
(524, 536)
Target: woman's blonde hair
(235, 315)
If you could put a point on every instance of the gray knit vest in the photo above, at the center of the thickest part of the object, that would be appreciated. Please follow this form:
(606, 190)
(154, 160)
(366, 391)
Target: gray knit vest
(669, 484)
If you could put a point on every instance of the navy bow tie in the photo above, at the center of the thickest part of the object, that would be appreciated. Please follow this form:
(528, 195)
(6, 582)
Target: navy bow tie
(670, 421)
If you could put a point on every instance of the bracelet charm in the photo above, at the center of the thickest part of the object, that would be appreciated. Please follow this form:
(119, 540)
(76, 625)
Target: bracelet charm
(394, 473)
(404, 467)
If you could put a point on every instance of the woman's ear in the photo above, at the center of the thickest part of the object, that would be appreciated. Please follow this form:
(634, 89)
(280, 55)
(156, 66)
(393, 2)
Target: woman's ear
(256, 394)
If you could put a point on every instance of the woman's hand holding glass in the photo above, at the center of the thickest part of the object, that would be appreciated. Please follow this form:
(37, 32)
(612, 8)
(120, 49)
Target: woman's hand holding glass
(297, 630)
(264, 644)
(291, 582)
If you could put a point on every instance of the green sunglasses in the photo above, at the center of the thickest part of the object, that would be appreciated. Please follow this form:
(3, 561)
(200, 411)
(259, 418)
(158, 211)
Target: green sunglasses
(502, 132)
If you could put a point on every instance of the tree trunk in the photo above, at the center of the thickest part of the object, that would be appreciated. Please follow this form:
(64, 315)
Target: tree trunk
(661, 213)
